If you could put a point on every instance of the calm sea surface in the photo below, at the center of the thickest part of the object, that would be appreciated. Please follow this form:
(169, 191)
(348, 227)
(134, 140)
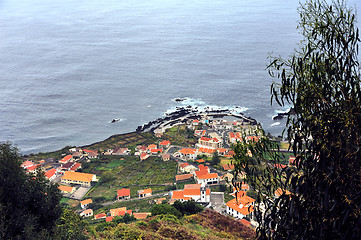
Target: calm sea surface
(69, 67)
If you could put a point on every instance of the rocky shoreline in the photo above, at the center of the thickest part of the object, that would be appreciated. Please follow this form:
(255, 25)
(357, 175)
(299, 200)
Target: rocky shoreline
(182, 114)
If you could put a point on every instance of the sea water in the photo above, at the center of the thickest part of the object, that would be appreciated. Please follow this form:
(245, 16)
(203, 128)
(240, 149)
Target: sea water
(68, 68)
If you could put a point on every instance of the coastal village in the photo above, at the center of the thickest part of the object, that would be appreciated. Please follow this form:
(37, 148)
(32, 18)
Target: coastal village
(190, 159)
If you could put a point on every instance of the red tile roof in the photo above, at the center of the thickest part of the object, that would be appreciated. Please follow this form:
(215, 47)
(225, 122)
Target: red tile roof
(244, 210)
(151, 146)
(50, 173)
(109, 219)
(145, 191)
(66, 158)
(203, 168)
(164, 143)
(32, 168)
(186, 151)
(201, 173)
(183, 165)
(75, 167)
(87, 151)
(155, 150)
(183, 177)
(86, 201)
(208, 176)
(27, 164)
(123, 192)
(205, 139)
(100, 215)
(200, 160)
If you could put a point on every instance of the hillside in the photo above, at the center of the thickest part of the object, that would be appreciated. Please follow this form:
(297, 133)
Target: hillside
(208, 225)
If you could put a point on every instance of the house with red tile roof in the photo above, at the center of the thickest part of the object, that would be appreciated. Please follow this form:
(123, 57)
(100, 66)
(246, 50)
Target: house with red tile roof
(100, 216)
(66, 166)
(241, 206)
(199, 173)
(197, 192)
(207, 151)
(209, 142)
(75, 167)
(83, 179)
(32, 169)
(186, 167)
(183, 177)
(164, 144)
(77, 154)
(123, 193)
(156, 151)
(121, 151)
(120, 211)
(188, 153)
(208, 178)
(166, 157)
(66, 189)
(109, 219)
(27, 164)
(66, 159)
(151, 146)
(51, 174)
(93, 155)
(233, 138)
(143, 156)
(85, 203)
(117, 211)
(87, 213)
(145, 192)
(203, 168)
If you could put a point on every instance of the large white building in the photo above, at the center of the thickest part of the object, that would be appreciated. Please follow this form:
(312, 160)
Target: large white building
(241, 206)
(198, 192)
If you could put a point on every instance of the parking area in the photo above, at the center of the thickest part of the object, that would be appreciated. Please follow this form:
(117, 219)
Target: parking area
(79, 193)
(217, 201)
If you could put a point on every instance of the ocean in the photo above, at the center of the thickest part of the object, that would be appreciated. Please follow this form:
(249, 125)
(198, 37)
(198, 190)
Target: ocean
(69, 67)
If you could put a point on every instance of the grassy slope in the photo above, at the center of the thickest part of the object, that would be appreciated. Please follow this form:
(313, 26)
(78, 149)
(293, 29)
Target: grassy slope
(205, 225)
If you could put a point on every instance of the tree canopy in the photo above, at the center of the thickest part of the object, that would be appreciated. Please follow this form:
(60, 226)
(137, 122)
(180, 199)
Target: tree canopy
(29, 203)
(321, 82)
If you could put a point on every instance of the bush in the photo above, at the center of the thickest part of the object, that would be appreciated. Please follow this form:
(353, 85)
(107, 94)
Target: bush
(165, 209)
(188, 207)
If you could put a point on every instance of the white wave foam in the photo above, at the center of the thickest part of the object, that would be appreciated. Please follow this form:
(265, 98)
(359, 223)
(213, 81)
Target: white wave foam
(201, 106)
(275, 124)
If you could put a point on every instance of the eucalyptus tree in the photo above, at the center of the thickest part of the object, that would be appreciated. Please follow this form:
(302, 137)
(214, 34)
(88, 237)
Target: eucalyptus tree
(321, 81)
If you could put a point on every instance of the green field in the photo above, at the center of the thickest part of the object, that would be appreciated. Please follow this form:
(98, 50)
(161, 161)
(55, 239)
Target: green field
(131, 173)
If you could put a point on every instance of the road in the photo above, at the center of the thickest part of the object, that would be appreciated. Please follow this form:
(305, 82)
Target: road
(138, 198)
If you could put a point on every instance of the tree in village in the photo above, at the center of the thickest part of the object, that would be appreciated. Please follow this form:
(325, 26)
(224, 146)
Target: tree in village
(322, 83)
(215, 159)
